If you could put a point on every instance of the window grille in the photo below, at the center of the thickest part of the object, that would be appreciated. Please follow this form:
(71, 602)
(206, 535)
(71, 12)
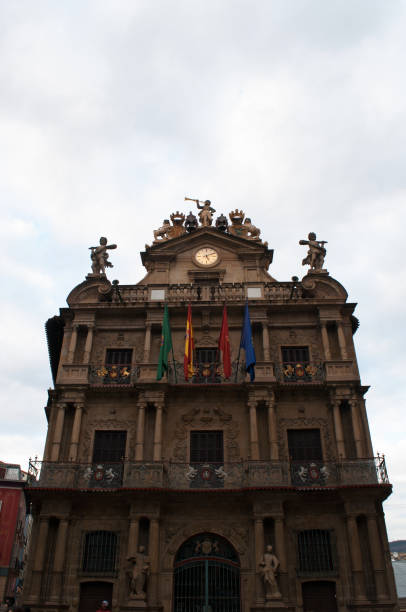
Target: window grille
(119, 357)
(295, 354)
(315, 554)
(99, 552)
(304, 445)
(109, 446)
(207, 355)
(206, 447)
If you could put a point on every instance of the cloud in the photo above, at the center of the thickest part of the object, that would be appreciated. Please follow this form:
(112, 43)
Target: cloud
(295, 112)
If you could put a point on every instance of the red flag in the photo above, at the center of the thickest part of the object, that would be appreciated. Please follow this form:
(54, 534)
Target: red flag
(189, 346)
(224, 345)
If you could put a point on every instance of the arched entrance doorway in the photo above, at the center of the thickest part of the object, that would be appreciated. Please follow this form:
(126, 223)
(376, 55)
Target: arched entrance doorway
(206, 576)
(319, 596)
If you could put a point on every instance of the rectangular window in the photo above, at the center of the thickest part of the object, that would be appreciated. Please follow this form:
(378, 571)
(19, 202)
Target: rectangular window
(314, 552)
(206, 447)
(295, 354)
(304, 445)
(119, 357)
(99, 552)
(206, 355)
(109, 446)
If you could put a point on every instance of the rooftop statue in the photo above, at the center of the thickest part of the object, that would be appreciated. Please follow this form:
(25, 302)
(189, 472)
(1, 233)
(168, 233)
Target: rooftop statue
(182, 224)
(191, 223)
(206, 211)
(167, 231)
(316, 253)
(99, 257)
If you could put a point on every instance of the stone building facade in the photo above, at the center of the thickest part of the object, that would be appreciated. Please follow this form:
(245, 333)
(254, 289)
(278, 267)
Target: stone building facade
(167, 495)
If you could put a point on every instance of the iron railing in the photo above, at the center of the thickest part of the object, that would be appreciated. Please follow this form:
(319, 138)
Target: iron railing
(206, 373)
(112, 375)
(299, 372)
(229, 475)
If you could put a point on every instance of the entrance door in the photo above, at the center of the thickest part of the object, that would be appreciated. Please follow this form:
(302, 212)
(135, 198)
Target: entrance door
(207, 576)
(319, 596)
(93, 593)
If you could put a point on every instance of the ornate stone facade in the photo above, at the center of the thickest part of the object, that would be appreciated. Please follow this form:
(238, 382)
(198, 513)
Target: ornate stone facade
(265, 493)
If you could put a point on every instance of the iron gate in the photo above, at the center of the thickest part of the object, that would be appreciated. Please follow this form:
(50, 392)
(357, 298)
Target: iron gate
(208, 580)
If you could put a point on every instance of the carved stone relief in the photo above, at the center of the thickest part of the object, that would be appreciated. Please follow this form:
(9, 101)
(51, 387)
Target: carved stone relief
(208, 417)
(177, 533)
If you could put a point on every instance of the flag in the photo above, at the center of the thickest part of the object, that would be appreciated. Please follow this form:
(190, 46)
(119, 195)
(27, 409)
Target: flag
(247, 344)
(224, 345)
(189, 346)
(166, 345)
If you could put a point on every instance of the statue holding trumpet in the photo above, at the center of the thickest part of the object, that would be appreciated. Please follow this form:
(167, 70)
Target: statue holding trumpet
(206, 211)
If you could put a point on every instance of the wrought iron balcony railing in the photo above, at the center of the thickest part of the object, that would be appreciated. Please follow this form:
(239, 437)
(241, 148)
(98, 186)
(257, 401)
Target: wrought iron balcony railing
(299, 372)
(112, 375)
(207, 373)
(228, 475)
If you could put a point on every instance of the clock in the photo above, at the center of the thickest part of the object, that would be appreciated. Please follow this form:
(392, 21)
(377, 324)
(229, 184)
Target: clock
(206, 256)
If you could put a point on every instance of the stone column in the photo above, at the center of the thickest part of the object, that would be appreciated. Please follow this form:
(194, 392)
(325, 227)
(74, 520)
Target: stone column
(273, 438)
(356, 558)
(338, 426)
(281, 553)
(133, 536)
(326, 344)
(39, 558)
(254, 446)
(147, 342)
(265, 341)
(139, 441)
(56, 442)
(356, 427)
(157, 456)
(377, 555)
(72, 343)
(74, 442)
(341, 340)
(59, 559)
(259, 552)
(154, 558)
(88, 344)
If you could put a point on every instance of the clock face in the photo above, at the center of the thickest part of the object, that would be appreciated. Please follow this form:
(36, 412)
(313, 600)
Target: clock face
(206, 256)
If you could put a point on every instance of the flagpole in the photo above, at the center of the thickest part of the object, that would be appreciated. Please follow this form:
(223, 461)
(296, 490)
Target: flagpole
(174, 366)
(239, 352)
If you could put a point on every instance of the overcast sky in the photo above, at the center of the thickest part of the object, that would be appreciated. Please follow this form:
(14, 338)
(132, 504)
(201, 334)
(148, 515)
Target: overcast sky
(112, 111)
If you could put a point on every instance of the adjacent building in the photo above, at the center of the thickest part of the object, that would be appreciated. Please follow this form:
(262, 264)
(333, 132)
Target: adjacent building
(208, 492)
(14, 529)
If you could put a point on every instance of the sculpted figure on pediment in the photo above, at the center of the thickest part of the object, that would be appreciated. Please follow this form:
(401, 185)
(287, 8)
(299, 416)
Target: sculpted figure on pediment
(316, 253)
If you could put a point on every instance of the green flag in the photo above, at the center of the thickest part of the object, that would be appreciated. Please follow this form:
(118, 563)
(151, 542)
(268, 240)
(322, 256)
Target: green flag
(166, 345)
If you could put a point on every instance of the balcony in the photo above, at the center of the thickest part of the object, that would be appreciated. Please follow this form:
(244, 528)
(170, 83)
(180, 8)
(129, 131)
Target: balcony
(186, 476)
(299, 372)
(112, 375)
(207, 374)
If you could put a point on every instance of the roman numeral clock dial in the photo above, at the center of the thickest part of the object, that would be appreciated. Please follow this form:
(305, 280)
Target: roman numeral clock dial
(206, 256)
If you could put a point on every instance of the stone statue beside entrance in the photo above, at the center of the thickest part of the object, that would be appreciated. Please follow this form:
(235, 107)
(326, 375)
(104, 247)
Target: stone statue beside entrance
(268, 568)
(138, 574)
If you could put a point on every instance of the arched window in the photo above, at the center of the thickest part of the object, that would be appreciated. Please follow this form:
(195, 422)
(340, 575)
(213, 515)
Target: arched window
(207, 575)
(99, 552)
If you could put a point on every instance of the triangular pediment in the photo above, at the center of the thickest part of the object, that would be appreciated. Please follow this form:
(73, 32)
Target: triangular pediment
(176, 260)
(204, 235)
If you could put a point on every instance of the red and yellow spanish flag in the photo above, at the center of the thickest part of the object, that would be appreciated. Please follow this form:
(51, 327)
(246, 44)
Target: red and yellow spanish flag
(189, 346)
(224, 345)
